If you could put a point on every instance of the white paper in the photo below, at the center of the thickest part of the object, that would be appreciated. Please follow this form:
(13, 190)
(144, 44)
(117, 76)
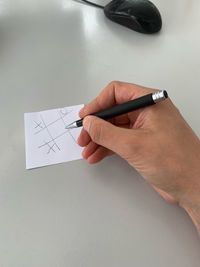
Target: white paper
(47, 140)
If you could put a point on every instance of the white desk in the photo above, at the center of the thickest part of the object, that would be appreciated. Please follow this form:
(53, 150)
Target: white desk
(55, 53)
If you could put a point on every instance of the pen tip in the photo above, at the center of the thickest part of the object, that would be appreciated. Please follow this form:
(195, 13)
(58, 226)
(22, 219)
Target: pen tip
(70, 126)
(66, 127)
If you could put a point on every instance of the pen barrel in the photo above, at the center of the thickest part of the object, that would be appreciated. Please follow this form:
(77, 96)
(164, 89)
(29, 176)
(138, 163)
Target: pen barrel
(135, 104)
(129, 106)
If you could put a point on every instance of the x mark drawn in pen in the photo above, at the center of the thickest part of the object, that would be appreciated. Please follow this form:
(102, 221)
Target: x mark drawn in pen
(38, 125)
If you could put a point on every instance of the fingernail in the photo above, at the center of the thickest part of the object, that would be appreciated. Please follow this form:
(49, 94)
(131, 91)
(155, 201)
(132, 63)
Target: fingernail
(87, 123)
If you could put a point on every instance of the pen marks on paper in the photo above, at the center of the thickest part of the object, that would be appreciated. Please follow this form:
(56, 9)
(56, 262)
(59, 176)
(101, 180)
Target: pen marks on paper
(47, 139)
(50, 142)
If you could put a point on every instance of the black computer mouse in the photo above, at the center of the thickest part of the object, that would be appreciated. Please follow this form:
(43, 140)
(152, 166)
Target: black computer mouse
(138, 15)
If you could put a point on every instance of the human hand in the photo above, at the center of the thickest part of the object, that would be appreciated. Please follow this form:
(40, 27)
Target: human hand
(155, 140)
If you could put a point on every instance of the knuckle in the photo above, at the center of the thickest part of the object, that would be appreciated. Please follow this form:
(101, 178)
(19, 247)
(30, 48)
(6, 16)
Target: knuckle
(114, 83)
(115, 86)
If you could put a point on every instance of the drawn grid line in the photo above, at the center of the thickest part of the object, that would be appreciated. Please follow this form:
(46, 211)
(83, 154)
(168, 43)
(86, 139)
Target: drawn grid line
(52, 139)
(65, 126)
(64, 115)
(61, 115)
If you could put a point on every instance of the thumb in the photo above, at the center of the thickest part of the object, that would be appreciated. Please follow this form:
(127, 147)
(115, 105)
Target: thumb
(119, 140)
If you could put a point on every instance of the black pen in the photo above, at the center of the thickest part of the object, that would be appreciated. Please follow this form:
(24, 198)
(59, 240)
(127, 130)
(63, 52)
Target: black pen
(141, 102)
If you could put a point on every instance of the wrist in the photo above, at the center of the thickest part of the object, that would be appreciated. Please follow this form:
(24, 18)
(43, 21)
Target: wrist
(190, 197)
(193, 210)
(191, 202)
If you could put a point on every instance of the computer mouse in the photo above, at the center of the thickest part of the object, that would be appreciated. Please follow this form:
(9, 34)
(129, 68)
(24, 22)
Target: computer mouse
(138, 15)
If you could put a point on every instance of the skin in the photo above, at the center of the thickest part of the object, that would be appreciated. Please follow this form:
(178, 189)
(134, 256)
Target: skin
(156, 141)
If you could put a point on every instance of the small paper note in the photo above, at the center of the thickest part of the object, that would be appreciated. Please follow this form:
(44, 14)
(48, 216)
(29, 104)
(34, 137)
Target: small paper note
(47, 140)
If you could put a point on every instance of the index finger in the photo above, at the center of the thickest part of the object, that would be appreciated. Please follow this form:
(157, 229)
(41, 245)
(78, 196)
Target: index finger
(114, 93)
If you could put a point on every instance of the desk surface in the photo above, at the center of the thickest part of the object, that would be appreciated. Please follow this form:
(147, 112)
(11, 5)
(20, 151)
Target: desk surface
(55, 53)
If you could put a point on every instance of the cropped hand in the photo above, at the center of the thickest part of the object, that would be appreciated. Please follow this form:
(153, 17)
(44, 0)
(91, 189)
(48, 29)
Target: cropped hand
(155, 140)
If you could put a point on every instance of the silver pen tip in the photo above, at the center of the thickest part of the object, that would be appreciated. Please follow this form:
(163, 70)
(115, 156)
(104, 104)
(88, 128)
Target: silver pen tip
(71, 126)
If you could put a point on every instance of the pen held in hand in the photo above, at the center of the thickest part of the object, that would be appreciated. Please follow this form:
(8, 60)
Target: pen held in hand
(141, 102)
